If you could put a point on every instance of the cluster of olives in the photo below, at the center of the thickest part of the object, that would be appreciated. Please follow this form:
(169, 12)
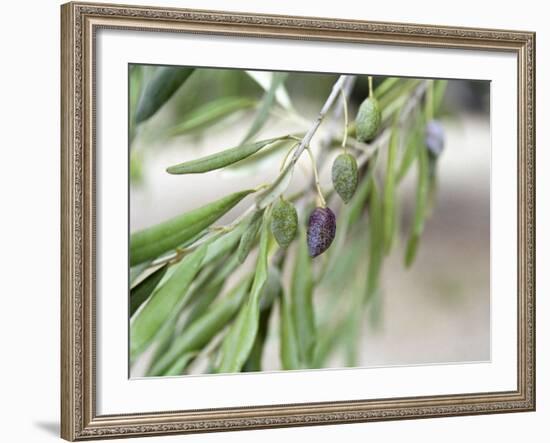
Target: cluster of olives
(321, 228)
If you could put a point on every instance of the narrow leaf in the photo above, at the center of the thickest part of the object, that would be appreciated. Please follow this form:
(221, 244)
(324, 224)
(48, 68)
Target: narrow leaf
(159, 239)
(438, 94)
(211, 113)
(376, 241)
(171, 329)
(238, 343)
(266, 104)
(357, 204)
(204, 328)
(219, 159)
(203, 302)
(254, 360)
(389, 188)
(289, 350)
(277, 187)
(355, 316)
(302, 301)
(165, 82)
(385, 86)
(326, 343)
(135, 80)
(248, 238)
(422, 189)
(263, 79)
(414, 142)
(180, 364)
(161, 305)
(264, 158)
(136, 272)
(272, 289)
(225, 242)
(145, 288)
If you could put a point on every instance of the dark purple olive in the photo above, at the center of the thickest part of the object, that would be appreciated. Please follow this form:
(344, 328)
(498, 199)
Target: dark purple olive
(434, 137)
(321, 230)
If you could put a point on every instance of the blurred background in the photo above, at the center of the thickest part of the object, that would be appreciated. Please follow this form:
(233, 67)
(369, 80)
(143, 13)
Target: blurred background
(437, 311)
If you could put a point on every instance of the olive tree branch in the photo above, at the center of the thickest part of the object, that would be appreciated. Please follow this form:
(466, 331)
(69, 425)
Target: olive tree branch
(366, 150)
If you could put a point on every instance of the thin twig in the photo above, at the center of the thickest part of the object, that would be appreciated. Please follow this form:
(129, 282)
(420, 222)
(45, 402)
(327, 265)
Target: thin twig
(326, 107)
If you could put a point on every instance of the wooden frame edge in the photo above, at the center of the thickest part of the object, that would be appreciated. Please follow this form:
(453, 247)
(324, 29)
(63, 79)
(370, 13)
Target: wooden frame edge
(78, 419)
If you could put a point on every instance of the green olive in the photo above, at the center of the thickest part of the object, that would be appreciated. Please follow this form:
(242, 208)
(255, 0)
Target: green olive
(368, 120)
(345, 176)
(284, 222)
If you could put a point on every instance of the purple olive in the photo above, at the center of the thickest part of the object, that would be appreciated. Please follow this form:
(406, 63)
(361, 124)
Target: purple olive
(434, 137)
(321, 230)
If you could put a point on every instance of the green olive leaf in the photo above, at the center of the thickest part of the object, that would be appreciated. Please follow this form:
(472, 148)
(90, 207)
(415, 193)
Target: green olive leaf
(263, 79)
(354, 320)
(163, 301)
(238, 343)
(219, 159)
(151, 242)
(205, 298)
(203, 329)
(268, 100)
(376, 240)
(211, 113)
(277, 187)
(248, 238)
(289, 350)
(225, 241)
(438, 94)
(350, 215)
(165, 82)
(136, 80)
(357, 205)
(414, 142)
(401, 88)
(326, 342)
(387, 85)
(136, 272)
(422, 189)
(264, 158)
(302, 301)
(206, 285)
(180, 364)
(254, 361)
(145, 288)
(209, 288)
(272, 289)
(389, 187)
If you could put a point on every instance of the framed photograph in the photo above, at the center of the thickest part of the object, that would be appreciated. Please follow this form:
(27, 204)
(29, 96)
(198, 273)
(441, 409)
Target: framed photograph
(283, 221)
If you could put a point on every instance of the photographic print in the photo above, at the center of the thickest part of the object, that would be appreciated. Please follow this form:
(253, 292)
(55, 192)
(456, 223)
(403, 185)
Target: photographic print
(304, 220)
(273, 221)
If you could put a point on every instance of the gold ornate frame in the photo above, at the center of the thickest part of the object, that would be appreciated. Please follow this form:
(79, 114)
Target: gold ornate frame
(79, 22)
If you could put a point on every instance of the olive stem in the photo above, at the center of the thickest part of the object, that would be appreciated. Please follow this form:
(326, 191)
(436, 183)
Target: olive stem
(285, 158)
(371, 89)
(342, 80)
(316, 175)
(346, 122)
